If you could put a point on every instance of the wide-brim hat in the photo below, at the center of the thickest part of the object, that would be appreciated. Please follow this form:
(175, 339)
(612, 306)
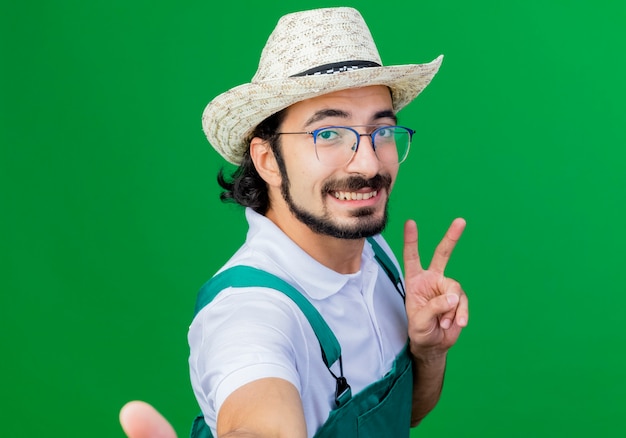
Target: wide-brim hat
(308, 54)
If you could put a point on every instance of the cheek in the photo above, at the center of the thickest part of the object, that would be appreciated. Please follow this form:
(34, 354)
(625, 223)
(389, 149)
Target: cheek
(302, 170)
(306, 181)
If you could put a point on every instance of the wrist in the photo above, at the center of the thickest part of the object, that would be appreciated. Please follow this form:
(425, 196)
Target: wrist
(429, 357)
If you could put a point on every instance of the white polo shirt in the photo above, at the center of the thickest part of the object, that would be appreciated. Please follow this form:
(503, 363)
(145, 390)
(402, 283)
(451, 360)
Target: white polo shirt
(246, 334)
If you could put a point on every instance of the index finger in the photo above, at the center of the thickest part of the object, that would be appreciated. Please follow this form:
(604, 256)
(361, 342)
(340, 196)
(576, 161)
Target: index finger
(446, 246)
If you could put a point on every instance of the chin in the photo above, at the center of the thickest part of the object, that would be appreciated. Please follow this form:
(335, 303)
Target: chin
(360, 226)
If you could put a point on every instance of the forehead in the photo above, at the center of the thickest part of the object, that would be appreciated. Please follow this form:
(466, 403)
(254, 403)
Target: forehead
(355, 103)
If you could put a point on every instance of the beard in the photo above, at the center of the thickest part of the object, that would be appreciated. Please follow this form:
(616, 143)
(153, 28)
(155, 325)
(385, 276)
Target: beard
(367, 224)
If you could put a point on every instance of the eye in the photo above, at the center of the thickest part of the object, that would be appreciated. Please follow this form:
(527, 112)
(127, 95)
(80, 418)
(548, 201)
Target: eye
(385, 132)
(329, 134)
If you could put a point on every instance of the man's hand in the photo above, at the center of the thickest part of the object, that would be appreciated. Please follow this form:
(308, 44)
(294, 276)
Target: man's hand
(436, 306)
(140, 420)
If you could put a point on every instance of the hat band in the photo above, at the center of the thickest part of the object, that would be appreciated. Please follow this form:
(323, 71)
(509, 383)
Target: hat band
(337, 67)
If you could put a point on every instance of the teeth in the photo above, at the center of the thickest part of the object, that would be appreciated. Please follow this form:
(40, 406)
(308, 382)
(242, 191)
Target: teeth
(354, 196)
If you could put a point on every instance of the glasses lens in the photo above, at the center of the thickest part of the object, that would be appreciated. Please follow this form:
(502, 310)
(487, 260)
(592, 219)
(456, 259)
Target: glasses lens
(392, 143)
(335, 145)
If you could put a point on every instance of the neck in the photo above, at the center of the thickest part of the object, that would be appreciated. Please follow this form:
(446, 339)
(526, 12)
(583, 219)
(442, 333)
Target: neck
(340, 255)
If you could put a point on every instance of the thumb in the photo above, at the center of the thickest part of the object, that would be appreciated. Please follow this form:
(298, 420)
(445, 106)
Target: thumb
(141, 420)
(452, 300)
(442, 304)
(433, 311)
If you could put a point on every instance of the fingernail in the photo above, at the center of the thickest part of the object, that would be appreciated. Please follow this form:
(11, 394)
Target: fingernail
(452, 299)
(445, 324)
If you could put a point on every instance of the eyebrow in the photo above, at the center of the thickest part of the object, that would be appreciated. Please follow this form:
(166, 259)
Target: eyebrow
(386, 114)
(326, 113)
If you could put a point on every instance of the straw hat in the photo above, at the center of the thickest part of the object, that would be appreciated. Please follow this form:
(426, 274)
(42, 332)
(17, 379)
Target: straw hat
(308, 54)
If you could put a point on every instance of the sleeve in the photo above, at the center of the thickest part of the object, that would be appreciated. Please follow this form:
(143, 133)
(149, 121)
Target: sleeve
(245, 334)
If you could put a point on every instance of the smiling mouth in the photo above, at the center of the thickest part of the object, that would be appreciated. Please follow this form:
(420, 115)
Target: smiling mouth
(357, 188)
(355, 196)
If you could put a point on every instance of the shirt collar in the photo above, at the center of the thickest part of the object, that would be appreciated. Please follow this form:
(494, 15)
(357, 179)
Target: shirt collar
(313, 278)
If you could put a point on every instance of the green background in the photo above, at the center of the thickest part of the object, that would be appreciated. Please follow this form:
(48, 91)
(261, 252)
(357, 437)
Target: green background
(110, 219)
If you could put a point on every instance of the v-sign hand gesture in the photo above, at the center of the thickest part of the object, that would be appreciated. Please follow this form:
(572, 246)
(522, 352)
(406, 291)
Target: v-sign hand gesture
(436, 306)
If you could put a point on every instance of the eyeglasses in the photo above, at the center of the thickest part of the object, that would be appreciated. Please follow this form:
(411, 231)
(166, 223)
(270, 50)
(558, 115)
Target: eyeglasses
(336, 145)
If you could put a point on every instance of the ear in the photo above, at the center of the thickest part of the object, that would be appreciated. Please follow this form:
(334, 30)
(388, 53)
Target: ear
(265, 161)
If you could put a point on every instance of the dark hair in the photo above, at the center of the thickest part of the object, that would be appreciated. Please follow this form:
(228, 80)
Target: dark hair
(245, 186)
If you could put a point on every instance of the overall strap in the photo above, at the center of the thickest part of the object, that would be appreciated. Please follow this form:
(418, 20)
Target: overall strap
(247, 276)
(385, 262)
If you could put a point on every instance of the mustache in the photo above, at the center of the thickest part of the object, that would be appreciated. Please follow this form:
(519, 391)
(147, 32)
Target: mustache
(355, 183)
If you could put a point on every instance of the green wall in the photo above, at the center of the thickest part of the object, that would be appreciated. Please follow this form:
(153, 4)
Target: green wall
(110, 221)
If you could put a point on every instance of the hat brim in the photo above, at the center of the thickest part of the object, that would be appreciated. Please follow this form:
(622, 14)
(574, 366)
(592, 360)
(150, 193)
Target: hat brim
(230, 118)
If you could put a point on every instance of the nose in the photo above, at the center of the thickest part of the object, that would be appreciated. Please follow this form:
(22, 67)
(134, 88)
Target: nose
(364, 161)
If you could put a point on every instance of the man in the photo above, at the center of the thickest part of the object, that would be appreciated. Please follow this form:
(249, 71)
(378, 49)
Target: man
(309, 329)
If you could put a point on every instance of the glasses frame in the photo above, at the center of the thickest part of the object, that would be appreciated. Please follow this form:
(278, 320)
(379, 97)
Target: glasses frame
(371, 135)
